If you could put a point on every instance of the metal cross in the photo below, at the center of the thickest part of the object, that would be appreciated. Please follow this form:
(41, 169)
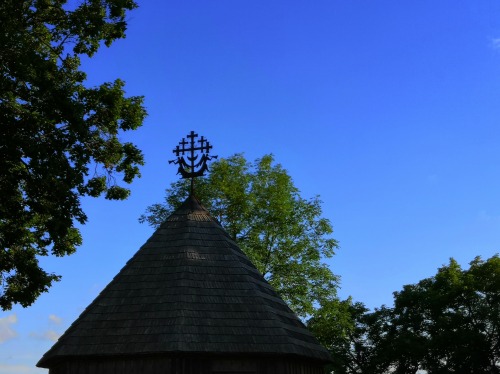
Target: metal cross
(178, 150)
(192, 168)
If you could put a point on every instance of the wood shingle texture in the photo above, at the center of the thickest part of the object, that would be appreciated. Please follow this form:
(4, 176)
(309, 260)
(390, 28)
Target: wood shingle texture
(188, 294)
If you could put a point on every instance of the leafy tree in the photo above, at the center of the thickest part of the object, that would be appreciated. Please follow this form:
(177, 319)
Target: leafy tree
(355, 337)
(58, 138)
(448, 323)
(339, 328)
(283, 234)
(454, 317)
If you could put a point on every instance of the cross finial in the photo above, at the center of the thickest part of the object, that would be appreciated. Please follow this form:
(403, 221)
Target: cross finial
(193, 167)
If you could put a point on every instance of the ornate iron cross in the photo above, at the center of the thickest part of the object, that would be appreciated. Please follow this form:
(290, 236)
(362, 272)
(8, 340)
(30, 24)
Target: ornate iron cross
(193, 167)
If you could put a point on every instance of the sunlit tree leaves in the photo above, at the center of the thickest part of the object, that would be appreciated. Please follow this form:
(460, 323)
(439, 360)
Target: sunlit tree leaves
(283, 233)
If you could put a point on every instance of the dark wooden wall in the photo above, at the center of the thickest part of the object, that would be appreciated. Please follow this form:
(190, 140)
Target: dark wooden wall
(186, 365)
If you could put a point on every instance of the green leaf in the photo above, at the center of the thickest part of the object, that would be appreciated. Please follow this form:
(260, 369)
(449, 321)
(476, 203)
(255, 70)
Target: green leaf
(59, 139)
(282, 233)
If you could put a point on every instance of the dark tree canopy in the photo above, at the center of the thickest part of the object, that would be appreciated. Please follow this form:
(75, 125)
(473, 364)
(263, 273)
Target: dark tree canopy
(283, 234)
(453, 317)
(448, 323)
(59, 140)
(339, 328)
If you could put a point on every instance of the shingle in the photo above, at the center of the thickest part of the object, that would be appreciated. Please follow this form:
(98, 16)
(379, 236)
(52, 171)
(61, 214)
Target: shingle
(189, 288)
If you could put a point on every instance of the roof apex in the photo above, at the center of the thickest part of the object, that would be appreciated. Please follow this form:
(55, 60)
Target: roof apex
(189, 206)
(190, 210)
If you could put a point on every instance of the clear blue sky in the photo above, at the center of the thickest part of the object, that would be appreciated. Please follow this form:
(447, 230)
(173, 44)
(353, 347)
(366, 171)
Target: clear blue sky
(389, 110)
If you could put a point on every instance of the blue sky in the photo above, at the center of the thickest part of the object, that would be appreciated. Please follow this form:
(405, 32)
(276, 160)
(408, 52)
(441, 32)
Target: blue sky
(388, 110)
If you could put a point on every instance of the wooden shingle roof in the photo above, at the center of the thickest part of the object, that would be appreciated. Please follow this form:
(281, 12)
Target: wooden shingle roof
(189, 289)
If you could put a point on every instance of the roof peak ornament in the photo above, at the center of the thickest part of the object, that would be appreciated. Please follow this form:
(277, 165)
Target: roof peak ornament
(193, 167)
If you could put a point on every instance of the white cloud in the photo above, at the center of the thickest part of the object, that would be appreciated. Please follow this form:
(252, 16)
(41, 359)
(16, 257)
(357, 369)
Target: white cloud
(52, 335)
(55, 319)
(486, 217)
(46, 335)
(6, 330)
(18, 369)
(495, 43)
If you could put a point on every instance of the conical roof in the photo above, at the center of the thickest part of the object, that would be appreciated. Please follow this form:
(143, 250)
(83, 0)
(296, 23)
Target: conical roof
(189, 289)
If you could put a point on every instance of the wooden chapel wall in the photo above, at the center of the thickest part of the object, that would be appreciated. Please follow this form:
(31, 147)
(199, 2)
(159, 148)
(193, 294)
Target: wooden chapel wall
(163, 365)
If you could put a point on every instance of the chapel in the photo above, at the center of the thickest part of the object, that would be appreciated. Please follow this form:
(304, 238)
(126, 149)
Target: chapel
(189, 301)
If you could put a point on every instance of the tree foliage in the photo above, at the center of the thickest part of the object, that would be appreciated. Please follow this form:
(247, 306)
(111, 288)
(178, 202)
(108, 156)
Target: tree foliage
(355, 337)
(59, 140)
(448, 323)
(340, 328)
(454, 318)
(283, 234)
